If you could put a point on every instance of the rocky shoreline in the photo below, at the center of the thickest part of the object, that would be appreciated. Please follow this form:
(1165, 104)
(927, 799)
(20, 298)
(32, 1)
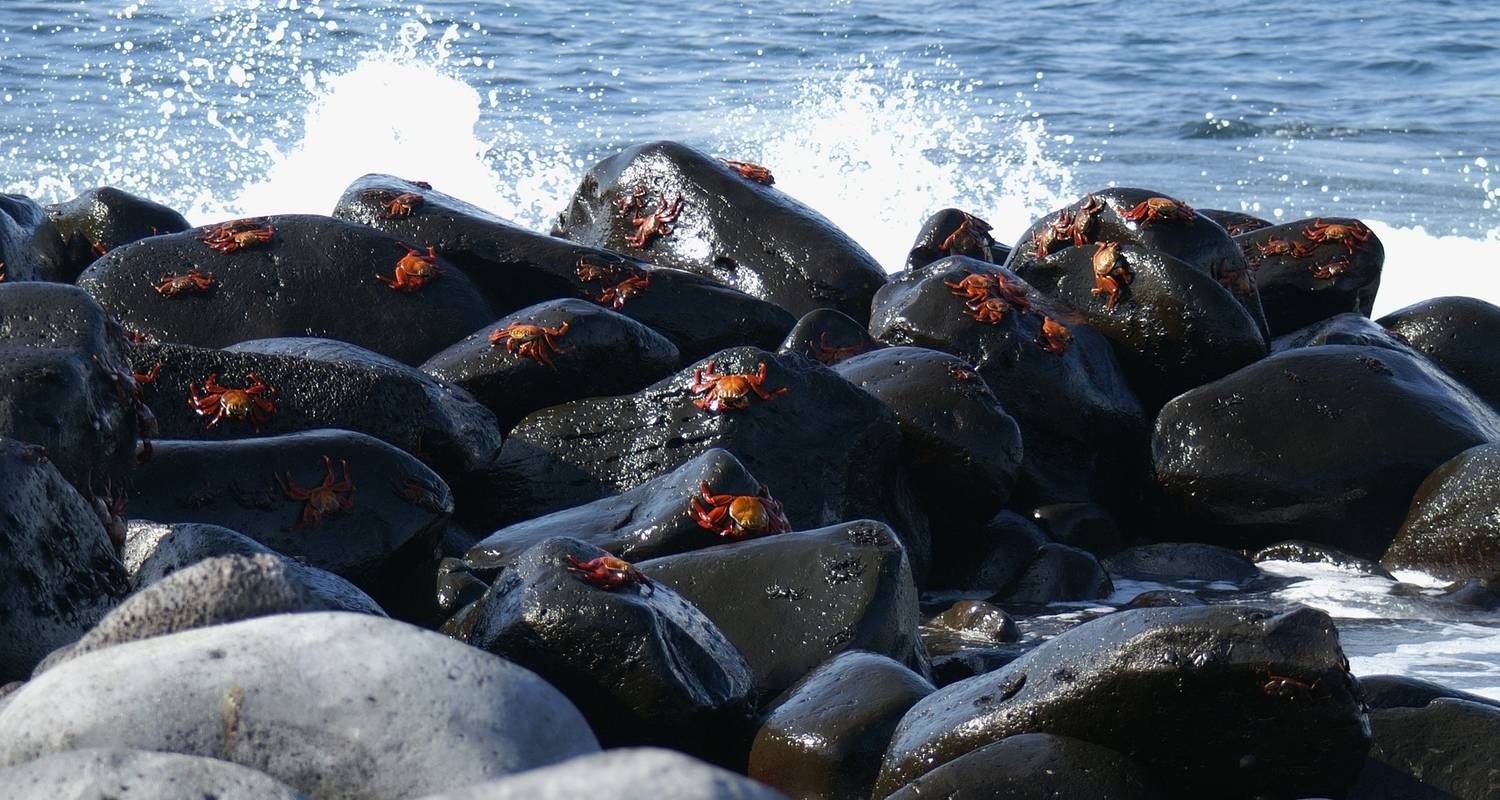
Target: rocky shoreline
(690, 499)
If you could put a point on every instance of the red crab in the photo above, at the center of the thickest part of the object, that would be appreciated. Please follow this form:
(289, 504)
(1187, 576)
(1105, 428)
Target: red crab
(402, 205)
(615, 296)
(1283, 686)
(1331, 268)
(1160, 208)
(729, 392)
(1055, 337)
(413, 271)
(971, 234)
(739, 515)
(990, 311)
(1111, 275)
(237, 235)
(975, 286)
(1281, 247)
(609, 573)
(1082, 229)
(531, 341)
(148, 377)
(250, 404)
(589, 271)
(329, 497)
(824, 353)
(191, 281)
(749, 171)
(1352, 235)
(1060, 230)
(654, 224)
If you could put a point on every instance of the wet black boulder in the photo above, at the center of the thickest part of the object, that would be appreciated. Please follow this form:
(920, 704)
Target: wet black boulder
(951, 232)
(317, 276)
(1238, 703)
(642, 663)
(30, 246)
(381, 534)
(58, 571)
(583, 351)
(1459, 335)
(991, 556)
(575, 453)
(1404, 691)
(736, 230)
(1166, 562)
(791, 601)
(824, 738)
(514, 268)
(1325, 444)
(1174, 327)
(1347, 328)
(650, 520)
(99, 220)
(828, 337)
(65, 385)
(1451, 529)
(1076, 412)
(1056, 572)
(1086, 526)
(962, 448)
(1302, 281)
(1035, 766)
(1441, 750)
(1235, 223)
(1301, 552)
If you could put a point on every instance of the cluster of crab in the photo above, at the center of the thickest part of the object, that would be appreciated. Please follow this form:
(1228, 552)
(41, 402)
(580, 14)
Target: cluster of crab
(1352, 236)
(989, 296)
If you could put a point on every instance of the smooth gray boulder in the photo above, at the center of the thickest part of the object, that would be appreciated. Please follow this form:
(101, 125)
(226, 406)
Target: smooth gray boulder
(108, 774)
(154, 550)
(335, 705)
(624, 774)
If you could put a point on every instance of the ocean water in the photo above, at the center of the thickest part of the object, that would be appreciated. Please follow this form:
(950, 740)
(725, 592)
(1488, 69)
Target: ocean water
(875, 113)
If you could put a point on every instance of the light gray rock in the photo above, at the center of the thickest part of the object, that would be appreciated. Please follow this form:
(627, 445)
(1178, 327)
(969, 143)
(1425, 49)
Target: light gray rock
(218, 591)
(154, 550)
(335, 705)
(623, 774)
(137, 775)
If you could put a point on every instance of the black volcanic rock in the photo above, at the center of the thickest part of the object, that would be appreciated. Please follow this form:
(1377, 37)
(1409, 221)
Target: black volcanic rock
(58, 571)
(1057, 572)
(825, 736)
(1174, 327)
(514, 268)
(653, 519)
(317, 276)
(65, 385)
(642, 664)
(951, 232)
(385, 542)
(1035, 766)
(1404, 691)
(30, 246)
(828, 337)
(963, 449)
(592, 352)
(735, 230)
(1177, 561)
(986, 557)
(1325, 444)
(1347, 328)
(1238, 703)
(1235, 223)
(1302, 282)
(1301, 552)
(575, 453)
(1451, 530)
(1458, 334)
(1443, 750)
(99, 220)
(1076, 412)
(791, 601)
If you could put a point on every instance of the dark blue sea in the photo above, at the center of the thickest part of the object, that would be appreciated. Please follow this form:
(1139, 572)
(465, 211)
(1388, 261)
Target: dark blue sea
(875, 113)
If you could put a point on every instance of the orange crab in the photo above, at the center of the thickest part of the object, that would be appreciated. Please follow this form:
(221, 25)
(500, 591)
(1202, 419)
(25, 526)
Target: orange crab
(531, 341)
(1331, 268)
(615, 296)
(1060, 230)
(739, 515)
(237, 235)
(825, 353)
(251, 404)
(655, 224)
(730, 392)
(191, 281)
(329, 497)
(990, 311)
(1111, 275)
(975, 286)
(1055, 337)
(588, 271)
(1281, 247)
(402, 205)
(414, 270)
(147, 377)
(1156, 209)
(1086, 221)
(1352, 235)
(750, 171)
(609, 573)
(971, 234)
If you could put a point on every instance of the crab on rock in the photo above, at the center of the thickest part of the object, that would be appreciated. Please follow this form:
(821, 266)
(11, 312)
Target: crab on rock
(329, 497)
(654, 224)
(531, 341)
(1111, 275)
(615, 296)
(402, 205)
(191, 281)
(750, 171)
(237, 235)
(971, 234)
(1055, 337)
(413, 271)
(1352, 236)
(739, 515)
(609, 573)
(250, 404)
(1160, 209)
(729, 392)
